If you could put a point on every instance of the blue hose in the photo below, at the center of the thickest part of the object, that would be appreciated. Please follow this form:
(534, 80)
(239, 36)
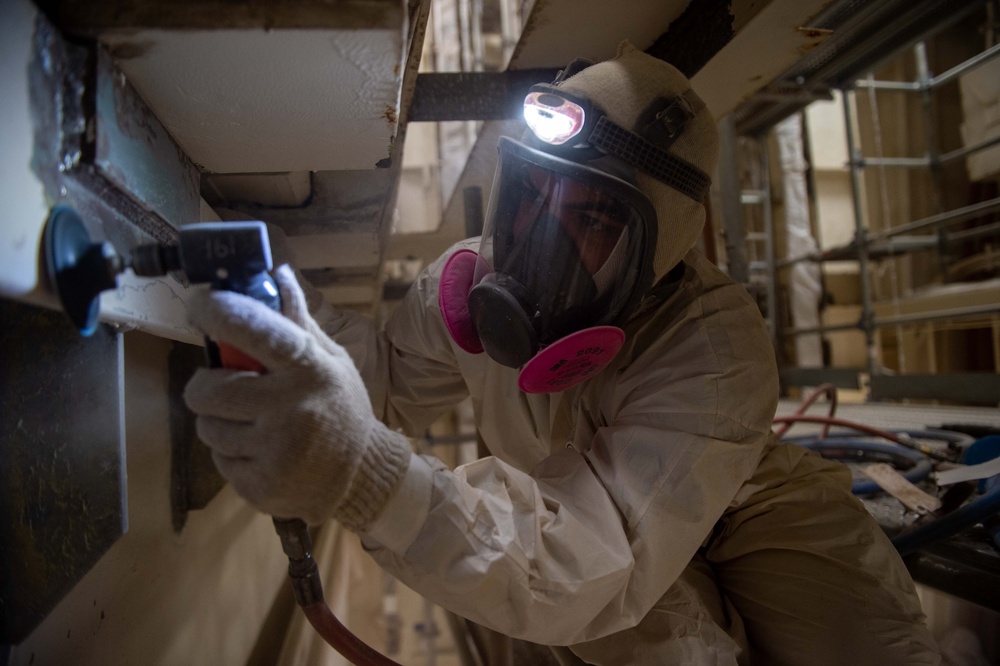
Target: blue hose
(960, 519)
(918, 470)
(980, 510)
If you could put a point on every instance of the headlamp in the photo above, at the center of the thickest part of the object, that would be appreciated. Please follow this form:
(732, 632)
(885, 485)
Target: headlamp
(575, 128)
(553, 118)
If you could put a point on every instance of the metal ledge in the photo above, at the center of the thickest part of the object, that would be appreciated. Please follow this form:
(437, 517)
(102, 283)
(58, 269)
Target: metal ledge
(474, 95)
(971, 388)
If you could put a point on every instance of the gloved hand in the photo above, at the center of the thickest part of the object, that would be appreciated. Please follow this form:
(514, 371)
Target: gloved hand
(300, 440)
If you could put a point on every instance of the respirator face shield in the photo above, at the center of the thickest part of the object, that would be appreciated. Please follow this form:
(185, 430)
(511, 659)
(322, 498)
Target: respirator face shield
(567, 251)
(565, 247)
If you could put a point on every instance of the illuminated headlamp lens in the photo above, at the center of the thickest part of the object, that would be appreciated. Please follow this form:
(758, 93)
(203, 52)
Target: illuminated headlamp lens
(552, 118)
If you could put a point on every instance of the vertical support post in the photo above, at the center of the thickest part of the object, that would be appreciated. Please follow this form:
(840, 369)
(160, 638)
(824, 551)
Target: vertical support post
(856, 161)
(995, 326)
(729, 193)
(769, 252)
(924, 81)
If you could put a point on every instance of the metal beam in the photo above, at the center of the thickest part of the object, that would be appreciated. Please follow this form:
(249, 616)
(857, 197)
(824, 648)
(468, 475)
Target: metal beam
(963, 566)
(861, 35)
(847, 378)
(971, 388)
(474, 95)
(66, 127)
(732, 210)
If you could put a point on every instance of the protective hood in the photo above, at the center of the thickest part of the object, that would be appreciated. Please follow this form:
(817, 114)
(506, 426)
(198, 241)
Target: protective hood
(626, 89)
(598, 201)
(566, 247)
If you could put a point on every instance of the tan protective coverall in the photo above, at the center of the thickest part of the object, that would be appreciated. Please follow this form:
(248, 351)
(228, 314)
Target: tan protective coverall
(646, 516)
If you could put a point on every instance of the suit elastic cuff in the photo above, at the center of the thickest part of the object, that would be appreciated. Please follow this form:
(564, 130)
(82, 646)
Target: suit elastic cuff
(403, 516)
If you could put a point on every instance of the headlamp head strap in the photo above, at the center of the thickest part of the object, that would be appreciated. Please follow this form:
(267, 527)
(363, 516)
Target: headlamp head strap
(576, 66)
(665, 119)
(646, 156)
(573, 127)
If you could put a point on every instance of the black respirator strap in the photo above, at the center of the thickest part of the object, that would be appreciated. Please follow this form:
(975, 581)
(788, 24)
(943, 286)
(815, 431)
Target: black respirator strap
(645, 156)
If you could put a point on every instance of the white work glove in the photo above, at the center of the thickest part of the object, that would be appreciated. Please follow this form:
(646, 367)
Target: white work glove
(299, 440)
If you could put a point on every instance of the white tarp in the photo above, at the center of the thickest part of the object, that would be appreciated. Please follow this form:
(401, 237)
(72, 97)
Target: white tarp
(805, 285)
(981, 106)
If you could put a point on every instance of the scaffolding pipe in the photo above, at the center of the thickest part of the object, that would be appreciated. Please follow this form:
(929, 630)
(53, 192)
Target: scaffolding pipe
(792, 332)
(732, 212)
(907, 86)
(963, 67)
(955, 215)
(928, 161)
(860, 238)
(968, 150)
(936, 315)
(936, 81)
(905, 162)
(916, 318)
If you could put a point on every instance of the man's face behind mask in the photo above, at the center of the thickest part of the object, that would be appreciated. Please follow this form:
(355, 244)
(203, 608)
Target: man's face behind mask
(592, 220)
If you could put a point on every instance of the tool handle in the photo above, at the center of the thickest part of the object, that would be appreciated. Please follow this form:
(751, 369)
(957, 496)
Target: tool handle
(221, 355)
(230, 357)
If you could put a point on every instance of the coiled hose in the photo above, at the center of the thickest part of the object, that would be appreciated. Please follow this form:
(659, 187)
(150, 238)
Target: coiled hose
(973, 513)
(914, 465)
(903, 448)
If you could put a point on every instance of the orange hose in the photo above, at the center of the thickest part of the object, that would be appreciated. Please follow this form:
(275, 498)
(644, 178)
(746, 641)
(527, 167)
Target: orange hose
(831, 394)
(828, 421)
(342, 640)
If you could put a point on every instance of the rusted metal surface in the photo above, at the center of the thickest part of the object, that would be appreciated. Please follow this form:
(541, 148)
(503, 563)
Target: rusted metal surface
(135, 153)
(194, 480)
(62, 99)
(847, 39)
(63, 127)
(62, 463)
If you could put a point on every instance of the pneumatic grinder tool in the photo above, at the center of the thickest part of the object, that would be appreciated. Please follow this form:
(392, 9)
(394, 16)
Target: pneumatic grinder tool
(233, 256)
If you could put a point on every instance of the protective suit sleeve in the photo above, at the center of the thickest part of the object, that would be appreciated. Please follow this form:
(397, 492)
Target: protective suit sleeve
(535, 556)
(409, 368)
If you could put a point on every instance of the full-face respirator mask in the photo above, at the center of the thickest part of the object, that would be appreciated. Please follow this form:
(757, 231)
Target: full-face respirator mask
(567, 249)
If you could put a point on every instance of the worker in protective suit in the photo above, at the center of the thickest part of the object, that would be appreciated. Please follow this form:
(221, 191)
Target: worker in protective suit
(636, 506)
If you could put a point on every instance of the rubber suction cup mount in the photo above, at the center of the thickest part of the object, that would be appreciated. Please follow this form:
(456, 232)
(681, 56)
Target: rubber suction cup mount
(78, 268)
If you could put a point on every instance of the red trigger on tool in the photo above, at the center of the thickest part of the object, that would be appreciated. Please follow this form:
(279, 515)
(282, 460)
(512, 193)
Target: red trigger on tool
(236, 359)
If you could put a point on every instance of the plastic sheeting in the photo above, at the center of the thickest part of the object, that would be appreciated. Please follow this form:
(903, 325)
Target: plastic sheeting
(805, 279)
(981, 105)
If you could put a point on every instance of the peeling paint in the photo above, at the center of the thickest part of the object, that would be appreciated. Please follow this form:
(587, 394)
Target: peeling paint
(535, 20)
(815, 33)
(127, 50)
(807, 47)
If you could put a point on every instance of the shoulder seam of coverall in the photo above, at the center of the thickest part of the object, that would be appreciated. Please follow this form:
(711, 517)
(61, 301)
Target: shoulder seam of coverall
(621, 514)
